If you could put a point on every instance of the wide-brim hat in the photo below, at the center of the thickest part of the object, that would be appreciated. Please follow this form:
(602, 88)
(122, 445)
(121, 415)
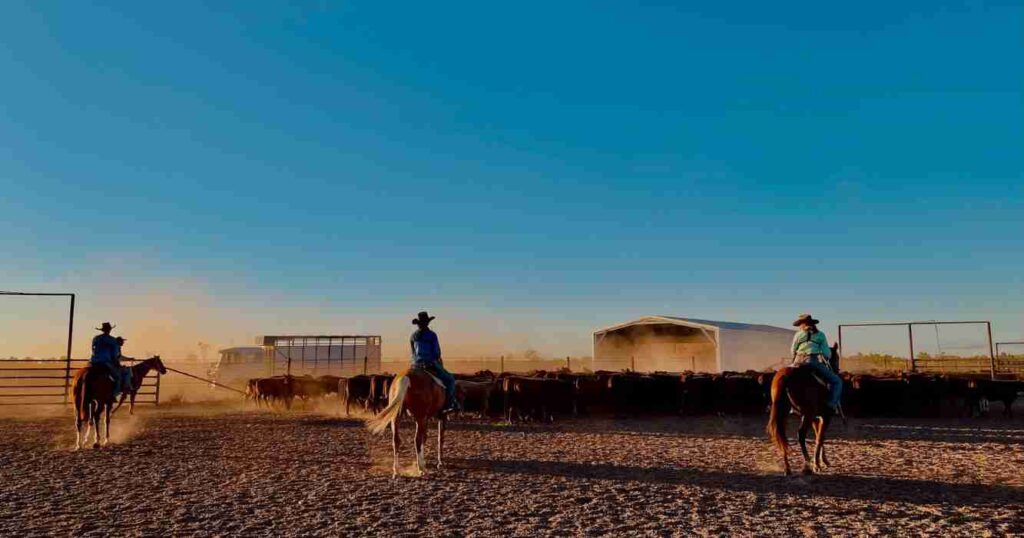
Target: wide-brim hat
(805, 318)
(422, 319)
(106, 326)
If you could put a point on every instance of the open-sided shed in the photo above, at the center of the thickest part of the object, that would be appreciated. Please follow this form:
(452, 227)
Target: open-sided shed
(673, 344)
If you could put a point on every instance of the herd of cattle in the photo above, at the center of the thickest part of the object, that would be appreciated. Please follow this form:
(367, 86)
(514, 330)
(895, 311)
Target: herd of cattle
(542, 396)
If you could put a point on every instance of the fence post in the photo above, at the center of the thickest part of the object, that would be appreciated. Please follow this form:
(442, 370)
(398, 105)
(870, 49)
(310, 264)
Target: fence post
(71, 328)
(910, 337)
(568, 365)
(991, 354)
(502, 364)
(632, 360)
(838, 366)
(364, 364)
(156, 402)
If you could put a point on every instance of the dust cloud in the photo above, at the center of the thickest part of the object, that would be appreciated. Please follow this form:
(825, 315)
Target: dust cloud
(656, 348)
(186, 322)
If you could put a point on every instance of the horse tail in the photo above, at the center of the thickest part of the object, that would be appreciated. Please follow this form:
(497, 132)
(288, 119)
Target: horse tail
(390, 413)
(779, 410)
(80, 391)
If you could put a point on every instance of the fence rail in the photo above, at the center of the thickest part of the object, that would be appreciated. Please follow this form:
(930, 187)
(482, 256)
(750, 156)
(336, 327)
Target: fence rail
(17, 376)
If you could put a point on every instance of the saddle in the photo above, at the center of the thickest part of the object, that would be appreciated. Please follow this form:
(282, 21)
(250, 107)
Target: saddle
(813, 372)
(426, 370)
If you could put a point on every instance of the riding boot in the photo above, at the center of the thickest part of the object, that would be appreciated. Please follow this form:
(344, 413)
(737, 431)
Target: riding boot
(451, 405)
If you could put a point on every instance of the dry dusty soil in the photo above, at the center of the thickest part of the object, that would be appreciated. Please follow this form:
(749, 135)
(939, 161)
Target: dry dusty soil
(190, 471)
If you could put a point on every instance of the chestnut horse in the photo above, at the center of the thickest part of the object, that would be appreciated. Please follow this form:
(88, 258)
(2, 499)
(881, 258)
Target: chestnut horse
(423, 396)
(139, 372)
(796, 388)
(93, 393)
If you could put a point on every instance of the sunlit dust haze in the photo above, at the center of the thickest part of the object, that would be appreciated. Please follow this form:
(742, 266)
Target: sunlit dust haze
(181, 319)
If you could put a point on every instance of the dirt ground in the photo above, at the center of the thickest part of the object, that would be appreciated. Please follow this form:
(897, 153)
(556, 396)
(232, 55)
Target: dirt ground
(193, 471)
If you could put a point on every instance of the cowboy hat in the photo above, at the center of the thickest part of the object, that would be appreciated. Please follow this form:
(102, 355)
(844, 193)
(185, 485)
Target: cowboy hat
(106, 326)
(805, 318)
(422, 319)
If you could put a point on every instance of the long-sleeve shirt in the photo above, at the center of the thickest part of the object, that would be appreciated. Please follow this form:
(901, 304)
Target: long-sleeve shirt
(426, 349)
(808, 343)
(104, 349)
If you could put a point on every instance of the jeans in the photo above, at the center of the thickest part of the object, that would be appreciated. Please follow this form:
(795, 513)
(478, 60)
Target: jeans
(445, 377)
(835, 383)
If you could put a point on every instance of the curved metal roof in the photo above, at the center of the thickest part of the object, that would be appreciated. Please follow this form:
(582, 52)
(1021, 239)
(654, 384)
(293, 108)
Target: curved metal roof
(695, 323)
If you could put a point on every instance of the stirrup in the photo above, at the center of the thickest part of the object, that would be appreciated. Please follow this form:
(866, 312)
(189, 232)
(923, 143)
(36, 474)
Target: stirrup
(454, 407)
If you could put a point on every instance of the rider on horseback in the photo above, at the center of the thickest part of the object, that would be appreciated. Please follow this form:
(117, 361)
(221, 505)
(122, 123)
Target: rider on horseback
(123, 371)
(810, 347)
(426, 354)
(105, 352)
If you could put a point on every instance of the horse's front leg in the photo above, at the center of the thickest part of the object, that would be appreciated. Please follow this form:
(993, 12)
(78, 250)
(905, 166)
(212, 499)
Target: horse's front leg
(131, 404)
(119, 402)
(440, 441)
(805, 424)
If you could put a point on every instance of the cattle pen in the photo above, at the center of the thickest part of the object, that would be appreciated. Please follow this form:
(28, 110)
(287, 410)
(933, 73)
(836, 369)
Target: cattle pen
(915, 362)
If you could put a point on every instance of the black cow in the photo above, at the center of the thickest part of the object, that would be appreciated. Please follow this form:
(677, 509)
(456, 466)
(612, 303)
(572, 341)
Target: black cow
(537, 398)
(354, 390)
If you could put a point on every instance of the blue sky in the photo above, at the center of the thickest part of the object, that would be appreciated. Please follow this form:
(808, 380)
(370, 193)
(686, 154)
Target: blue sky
(528, 172)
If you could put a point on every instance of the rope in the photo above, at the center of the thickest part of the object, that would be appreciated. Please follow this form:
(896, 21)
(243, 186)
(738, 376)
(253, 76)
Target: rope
(210, 381)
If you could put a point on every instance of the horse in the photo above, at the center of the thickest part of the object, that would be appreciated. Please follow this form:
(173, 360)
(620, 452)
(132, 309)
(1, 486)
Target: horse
(796, 388)
(422, 396)
(93, 393)
(139, 372)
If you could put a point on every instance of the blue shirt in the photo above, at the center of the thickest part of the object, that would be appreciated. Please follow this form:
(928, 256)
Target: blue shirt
(807, 343)
(425, 347)
(104, 349)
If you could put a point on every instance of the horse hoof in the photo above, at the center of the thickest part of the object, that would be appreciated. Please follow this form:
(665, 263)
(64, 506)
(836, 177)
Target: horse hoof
(96, 445)
(808, 471)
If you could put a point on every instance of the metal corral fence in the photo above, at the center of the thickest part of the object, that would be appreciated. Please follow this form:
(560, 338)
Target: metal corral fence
(1010, 357)
(48, 382)
(987, 364)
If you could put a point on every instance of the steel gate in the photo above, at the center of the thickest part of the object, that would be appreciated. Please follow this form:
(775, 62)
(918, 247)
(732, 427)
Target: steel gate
(48, 381)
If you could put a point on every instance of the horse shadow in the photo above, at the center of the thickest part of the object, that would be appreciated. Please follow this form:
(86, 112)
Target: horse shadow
(656, 426)
(869, 488)
(970, 431)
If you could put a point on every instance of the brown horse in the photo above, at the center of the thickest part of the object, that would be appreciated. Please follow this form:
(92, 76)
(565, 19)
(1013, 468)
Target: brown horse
(798, 389)
(423, 397)
(93, 392)
(139, 372)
